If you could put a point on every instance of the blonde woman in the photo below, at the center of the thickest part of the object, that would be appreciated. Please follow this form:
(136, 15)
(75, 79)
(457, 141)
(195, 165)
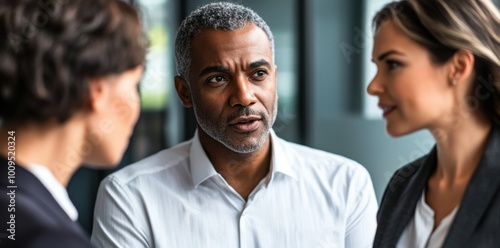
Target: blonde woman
(69, 72)
(439, 69)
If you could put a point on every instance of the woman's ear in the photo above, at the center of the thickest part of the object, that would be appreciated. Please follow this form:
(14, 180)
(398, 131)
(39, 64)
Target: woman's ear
(462, 66)
(183, 91)
(98, 94)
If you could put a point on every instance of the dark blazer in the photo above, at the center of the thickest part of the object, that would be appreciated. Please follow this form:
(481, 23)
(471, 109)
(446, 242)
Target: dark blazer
(39, 220)
(477, 222)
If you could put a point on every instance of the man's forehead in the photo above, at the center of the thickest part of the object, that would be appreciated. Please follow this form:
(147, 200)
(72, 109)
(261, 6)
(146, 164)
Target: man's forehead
(224, 31)
(212, 41)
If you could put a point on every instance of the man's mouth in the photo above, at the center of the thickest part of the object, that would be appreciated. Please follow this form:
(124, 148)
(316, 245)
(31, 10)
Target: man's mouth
(246, 124)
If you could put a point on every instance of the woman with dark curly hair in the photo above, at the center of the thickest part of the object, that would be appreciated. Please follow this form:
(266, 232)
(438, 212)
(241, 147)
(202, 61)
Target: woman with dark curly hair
(69, 72)
(439, 69)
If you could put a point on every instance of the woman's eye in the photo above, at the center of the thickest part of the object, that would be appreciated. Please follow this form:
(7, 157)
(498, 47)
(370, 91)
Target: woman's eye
(391, 64)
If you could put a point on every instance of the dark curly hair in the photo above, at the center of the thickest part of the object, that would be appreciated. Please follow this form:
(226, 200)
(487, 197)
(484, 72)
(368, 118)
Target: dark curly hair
(50, 49)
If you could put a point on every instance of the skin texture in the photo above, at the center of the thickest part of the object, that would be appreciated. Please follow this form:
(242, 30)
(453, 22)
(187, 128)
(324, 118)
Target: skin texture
(416, 93)
(232, 81)
(119, 108)
(407, 80)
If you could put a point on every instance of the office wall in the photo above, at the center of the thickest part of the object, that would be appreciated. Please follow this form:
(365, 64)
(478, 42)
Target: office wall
(342, 39)
(336, 65)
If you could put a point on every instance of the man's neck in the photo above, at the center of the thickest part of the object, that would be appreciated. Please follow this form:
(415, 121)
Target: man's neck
(243, 171)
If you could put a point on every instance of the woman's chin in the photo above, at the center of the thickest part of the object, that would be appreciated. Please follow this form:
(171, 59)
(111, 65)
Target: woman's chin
(397, 131)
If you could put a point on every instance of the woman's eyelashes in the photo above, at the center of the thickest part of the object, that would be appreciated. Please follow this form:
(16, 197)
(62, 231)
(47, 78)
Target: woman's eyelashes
(393, 64)
(138, 87)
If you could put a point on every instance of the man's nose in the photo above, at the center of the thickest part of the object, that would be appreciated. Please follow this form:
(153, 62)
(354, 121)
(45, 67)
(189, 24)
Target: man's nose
(242, 93)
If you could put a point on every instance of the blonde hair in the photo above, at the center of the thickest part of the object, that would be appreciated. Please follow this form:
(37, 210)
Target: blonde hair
(446, 26)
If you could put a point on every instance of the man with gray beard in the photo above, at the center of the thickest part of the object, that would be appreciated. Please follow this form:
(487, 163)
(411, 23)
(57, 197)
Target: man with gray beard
(235, 184)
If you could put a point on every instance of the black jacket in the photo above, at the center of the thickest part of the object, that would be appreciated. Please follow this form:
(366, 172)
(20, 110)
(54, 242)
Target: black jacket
(477, 222)
(39, 220)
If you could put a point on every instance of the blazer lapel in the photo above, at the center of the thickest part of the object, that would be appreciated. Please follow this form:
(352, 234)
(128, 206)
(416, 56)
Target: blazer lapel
(29, 186)
(482, 186)
(407, 203)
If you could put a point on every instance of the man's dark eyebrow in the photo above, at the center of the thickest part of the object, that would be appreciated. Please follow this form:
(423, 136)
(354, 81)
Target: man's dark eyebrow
(224, 69)
(384, 55)
(211, 69)
(259, 63)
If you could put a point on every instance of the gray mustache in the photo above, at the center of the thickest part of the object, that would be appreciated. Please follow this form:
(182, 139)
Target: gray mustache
(246, 112)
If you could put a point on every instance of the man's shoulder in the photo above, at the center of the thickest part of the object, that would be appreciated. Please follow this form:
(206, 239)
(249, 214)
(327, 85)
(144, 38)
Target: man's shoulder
(150, 166)
(317, 159)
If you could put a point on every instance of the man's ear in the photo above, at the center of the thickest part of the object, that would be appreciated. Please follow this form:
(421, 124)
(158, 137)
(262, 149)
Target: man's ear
(98, 94)
(183, 91)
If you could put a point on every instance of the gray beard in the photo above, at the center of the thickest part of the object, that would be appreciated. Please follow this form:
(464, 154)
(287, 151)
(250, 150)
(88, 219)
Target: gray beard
(216, 132)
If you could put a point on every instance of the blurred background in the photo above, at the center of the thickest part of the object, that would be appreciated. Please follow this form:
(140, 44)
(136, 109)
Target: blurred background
(323, 53)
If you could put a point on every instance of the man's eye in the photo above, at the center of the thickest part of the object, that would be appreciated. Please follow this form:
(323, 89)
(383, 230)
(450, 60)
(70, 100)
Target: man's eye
(259, 75)
(217, 79)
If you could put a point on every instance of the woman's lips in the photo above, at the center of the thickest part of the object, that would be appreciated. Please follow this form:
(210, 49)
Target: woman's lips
(387, 109)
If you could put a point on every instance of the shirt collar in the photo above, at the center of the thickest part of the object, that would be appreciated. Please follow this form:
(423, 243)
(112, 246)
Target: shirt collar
(279, 160)
(202, 168)
(56, 189)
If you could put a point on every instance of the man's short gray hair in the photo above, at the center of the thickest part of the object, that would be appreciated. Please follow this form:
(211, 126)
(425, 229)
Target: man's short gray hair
(221, 16)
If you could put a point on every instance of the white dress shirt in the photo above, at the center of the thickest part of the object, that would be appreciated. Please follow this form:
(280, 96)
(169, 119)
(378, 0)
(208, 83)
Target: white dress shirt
(55, 188)
(419, 234)
(175, 198)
